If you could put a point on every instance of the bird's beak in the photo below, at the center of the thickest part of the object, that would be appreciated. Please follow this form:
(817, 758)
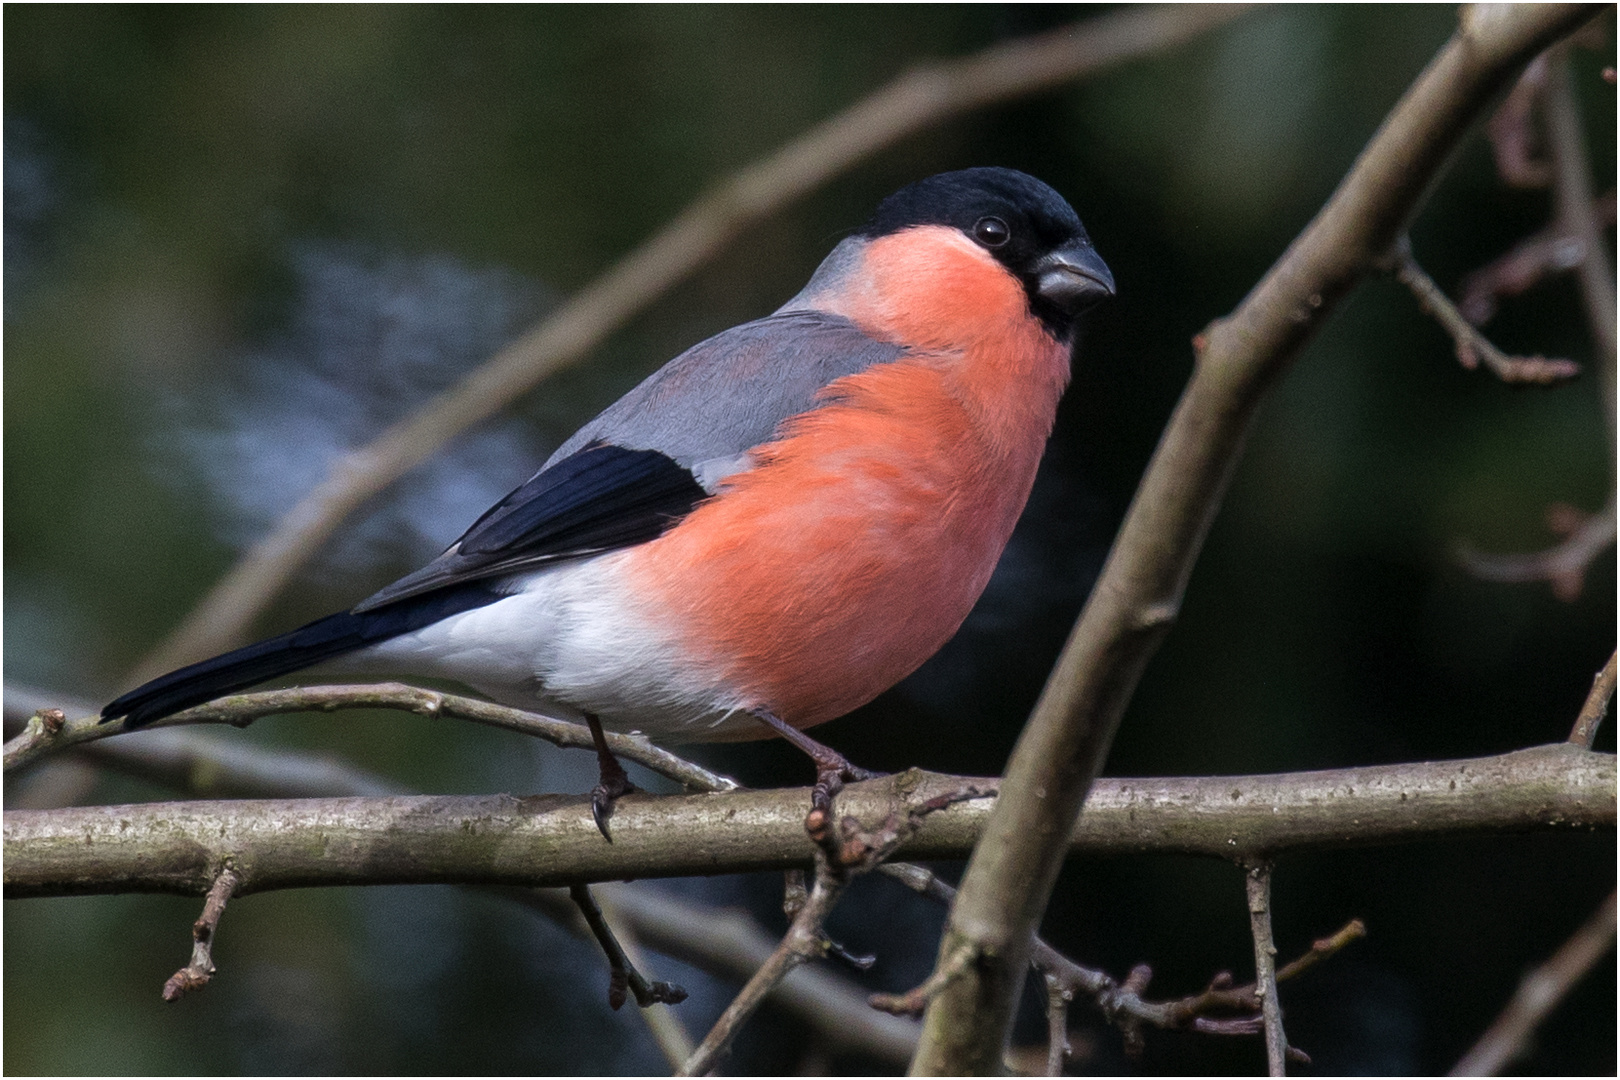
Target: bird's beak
(1074, 277)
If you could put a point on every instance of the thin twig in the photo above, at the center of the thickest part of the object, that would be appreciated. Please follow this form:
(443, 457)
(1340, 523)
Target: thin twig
(1473, 346)
(1058, 999)
(624, 976)
(917, 100)
(1572, 191)
(1539, 993)
(1525, 265)
(1562, 566)
(854, 851)
(1595, 708)
(1123, 1003)
(1512, 131)
(915, 1000)
(239, 710)
(1257, 885)
(195, 975)
(803, 941)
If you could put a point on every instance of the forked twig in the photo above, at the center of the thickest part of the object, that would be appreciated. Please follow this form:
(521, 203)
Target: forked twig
(1473, 347)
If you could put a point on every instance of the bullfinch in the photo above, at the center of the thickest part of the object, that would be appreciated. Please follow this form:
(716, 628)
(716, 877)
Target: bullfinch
(773, 528)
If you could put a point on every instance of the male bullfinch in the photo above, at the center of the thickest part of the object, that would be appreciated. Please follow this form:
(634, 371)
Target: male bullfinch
(773, 528)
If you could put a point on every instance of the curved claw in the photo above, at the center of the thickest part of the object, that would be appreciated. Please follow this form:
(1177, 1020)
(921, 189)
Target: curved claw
(604, 797)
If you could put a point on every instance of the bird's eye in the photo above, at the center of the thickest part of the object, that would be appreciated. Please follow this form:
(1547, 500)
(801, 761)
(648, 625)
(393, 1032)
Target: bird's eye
(991, 231)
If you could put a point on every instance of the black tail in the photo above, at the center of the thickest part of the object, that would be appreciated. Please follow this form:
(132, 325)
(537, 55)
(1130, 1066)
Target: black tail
(321, 640)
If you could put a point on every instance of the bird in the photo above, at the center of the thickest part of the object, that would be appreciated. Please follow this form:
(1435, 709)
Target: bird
(773, 528)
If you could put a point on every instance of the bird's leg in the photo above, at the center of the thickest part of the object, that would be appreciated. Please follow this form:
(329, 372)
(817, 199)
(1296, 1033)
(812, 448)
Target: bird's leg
(614, 780)
(832, 770)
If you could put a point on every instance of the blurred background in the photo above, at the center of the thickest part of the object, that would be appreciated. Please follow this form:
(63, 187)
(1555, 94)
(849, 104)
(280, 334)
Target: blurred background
(240, 240)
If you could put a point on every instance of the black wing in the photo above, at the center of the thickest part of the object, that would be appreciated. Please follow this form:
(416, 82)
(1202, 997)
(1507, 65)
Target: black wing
(601, 498)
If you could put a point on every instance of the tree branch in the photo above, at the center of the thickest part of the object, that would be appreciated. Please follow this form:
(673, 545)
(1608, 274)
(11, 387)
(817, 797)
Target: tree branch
(1539, 993)
(1595, 708)
(915, 101)
(44, 735)
(550, 840)
(1472, 346)
(1010, 877)
(1257, 885)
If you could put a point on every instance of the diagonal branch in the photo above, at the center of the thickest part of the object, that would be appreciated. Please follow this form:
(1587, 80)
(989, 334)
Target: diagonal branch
(1473, 346)
(1595, 708)
(1061, 750)
(917, 100)
(1539, 993)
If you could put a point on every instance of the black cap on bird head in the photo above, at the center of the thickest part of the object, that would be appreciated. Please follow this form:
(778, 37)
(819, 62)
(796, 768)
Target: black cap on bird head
(1024, 223)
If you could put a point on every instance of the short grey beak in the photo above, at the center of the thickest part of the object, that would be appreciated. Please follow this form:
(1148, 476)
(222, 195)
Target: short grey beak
(1074, 277)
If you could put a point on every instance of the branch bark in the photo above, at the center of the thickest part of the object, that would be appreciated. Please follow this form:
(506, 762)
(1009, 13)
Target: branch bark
(918, 99)
(550, 840)
(1010, 877)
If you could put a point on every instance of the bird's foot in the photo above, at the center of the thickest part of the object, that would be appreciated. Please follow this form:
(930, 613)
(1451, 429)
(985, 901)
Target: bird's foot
(613, 783)
(833, 771)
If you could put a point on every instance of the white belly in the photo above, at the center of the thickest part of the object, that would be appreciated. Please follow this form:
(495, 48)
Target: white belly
(569, 640)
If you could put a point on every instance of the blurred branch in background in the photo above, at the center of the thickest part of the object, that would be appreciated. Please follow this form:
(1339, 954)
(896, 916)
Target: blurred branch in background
(918, 99)
(1539, 993)
(1010, 878)
(1578, 225)
(1473, 346)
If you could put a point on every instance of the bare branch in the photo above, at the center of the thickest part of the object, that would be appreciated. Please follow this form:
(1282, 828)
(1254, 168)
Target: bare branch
(1539, 993)
(550, 840)
(1595, 708)
(917, 100)
(195, 975)
(1526, 264)
(1473, 346)
(1512, 131)
(915, 1000)
(240, 710)
(804, 941)
(1007, 884)
(855, 851)
(1563, 566)
(1572, 190)
(1058, 999)
(1257, 884)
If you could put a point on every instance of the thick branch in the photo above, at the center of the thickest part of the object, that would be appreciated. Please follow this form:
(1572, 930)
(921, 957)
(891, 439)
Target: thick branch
(915, 101)
(550, 840)
(1006, 887)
